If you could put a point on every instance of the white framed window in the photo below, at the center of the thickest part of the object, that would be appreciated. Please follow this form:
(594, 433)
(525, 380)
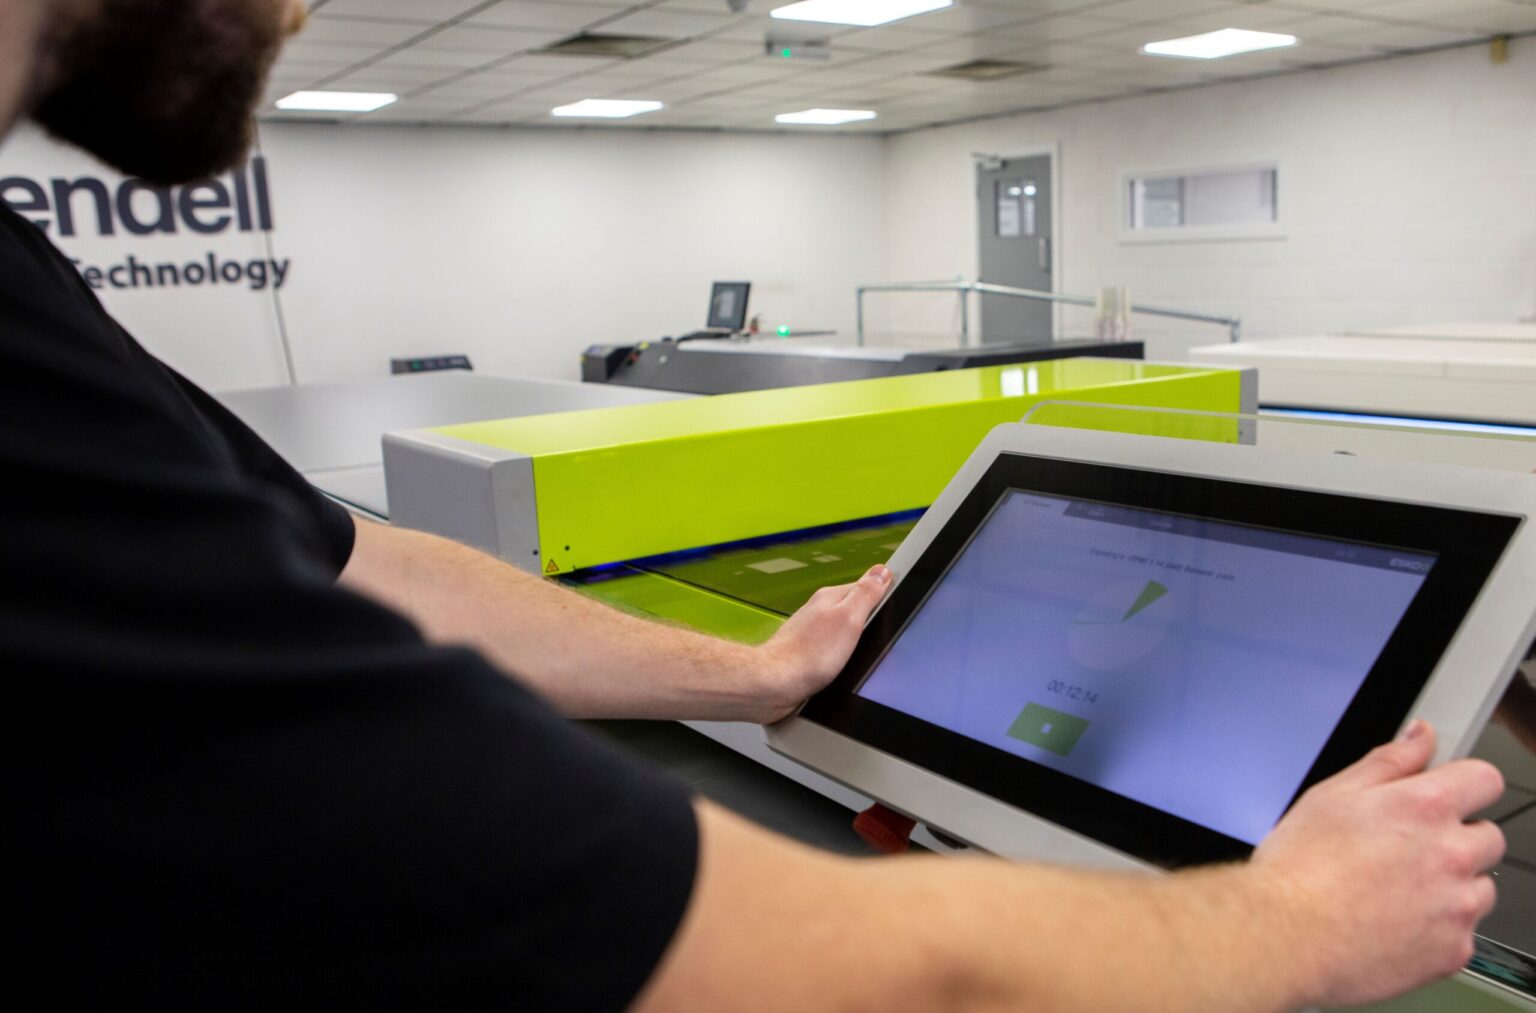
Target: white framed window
(1230, 202)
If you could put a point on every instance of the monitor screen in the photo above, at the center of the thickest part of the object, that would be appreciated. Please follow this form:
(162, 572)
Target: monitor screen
(1195, 666)
(728, 305)
(1161, 663)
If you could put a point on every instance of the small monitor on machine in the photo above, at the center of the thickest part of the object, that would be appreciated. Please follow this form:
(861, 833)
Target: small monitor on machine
(1158, 663)
(728, 305)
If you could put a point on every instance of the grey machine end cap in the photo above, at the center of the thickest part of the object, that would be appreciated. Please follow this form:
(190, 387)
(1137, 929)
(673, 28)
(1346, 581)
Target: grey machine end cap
(481, 496)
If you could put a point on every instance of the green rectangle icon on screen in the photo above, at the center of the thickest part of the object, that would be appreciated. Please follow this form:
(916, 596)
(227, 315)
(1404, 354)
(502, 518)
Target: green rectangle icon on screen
(1047, 728)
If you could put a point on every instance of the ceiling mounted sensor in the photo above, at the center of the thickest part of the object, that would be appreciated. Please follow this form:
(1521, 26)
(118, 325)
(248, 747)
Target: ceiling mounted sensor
(801, 49)
(988, 70)
(607, 44)
(864, 13)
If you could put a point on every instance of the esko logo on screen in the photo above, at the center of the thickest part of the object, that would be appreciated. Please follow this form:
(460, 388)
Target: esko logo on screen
(240, 201)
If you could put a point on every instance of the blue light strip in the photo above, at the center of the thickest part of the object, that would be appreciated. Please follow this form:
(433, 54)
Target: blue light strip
(1404, 421)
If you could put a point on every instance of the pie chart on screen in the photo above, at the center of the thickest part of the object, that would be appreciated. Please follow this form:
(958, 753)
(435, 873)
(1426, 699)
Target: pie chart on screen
(1119, 626)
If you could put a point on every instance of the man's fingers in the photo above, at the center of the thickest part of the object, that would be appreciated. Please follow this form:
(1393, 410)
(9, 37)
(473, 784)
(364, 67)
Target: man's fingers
(1485, 897)
(1484, 843)
(1460, 788)
(1407, 755)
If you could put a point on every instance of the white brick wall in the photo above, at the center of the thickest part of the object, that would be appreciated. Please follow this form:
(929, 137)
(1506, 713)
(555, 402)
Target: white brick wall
(1411, 190)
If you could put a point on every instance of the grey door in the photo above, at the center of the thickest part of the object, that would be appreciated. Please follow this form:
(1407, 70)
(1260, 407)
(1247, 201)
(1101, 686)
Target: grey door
(1014, 217)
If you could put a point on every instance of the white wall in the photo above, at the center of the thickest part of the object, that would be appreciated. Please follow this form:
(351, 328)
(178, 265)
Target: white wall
(517, 247)
(220, 335)
(1411, 190)
(1411, 187)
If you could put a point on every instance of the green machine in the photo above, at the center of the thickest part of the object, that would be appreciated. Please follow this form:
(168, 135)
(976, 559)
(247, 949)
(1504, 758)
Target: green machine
(726, 513)
(566, 493)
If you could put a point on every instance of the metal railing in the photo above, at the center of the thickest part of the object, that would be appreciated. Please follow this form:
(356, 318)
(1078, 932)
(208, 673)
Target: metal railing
(965, 289)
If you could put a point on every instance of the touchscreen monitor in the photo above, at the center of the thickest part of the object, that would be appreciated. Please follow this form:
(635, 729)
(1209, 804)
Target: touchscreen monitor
(1192, 665)
(1162, 662)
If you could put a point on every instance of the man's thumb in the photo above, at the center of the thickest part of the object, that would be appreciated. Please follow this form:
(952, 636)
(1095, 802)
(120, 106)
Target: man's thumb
(867, 591)
(1408, 754)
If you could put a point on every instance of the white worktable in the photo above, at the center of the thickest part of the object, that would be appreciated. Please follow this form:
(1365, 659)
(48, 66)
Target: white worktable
(1455, 371)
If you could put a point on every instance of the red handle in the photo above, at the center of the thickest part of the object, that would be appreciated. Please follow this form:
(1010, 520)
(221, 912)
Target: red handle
(885, 830)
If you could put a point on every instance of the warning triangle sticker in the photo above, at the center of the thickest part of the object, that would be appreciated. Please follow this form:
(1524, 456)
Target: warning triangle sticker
(551, 567)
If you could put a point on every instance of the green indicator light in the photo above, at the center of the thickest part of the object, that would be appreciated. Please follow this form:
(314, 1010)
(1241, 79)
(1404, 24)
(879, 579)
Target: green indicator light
(788, 53)
(783, 332)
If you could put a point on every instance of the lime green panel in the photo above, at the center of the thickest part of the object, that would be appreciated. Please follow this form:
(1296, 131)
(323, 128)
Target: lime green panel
(1457, 995)
(1133, 420)
(642, 480)
(660, 597)
(582, 431)
(780, 574)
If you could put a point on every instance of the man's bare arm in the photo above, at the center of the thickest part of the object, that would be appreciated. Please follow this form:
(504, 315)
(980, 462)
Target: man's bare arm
(1371, 886)
(592, 660)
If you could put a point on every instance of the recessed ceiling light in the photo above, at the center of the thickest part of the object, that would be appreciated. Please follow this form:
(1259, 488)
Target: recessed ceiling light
(337, 101)
(825, 117)
(1215, 45)
(607, 108)
(864, 13)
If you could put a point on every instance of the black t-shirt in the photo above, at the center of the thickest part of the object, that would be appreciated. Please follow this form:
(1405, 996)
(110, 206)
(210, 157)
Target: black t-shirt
(235, 785)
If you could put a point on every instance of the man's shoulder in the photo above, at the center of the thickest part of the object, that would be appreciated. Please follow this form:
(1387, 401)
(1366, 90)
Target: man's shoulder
(39, 286)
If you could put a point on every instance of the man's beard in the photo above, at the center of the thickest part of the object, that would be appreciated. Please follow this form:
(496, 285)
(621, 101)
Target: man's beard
(161, 89)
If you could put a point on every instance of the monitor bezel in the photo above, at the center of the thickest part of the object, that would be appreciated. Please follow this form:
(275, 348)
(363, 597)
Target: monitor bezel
(1468, 545)
(740, 320)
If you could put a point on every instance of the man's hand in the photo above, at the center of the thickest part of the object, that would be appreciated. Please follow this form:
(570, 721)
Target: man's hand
(1382, 879)
(812, 646)
(593, 661)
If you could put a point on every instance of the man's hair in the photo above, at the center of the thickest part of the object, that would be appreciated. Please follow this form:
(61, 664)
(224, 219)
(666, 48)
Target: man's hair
(160, 89)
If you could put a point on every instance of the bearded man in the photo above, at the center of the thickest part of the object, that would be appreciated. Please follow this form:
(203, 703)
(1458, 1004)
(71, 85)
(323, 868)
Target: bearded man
(271, 757)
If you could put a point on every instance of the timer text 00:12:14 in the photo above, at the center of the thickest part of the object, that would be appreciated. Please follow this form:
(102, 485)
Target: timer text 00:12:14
(1071, 692)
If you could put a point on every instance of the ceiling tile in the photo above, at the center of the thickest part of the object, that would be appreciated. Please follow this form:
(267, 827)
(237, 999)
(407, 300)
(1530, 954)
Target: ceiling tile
(1474, 16)
(360, 31)
(1397, 38)
(670, 24)
(426, 56)
(483, 39)
(567, 18)
(969, 18)
(303, 51)
(400, 80)
(479, 61)
(410, 10)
